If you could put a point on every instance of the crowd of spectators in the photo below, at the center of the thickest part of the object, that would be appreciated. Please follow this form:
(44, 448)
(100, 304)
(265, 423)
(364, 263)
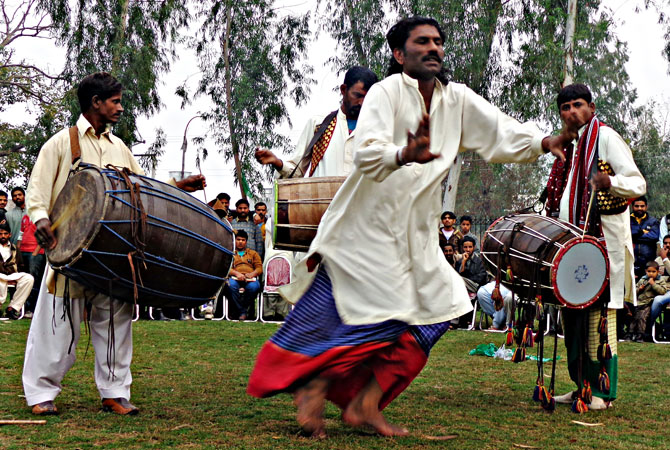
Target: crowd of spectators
(23, 262)
(651, 244)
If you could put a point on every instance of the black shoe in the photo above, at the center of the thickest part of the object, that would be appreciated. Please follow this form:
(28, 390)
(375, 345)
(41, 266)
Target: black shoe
(11, 313)
(637, 338)
(627, 337)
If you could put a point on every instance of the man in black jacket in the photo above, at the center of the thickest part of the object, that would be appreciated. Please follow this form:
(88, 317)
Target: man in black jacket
(644, 230)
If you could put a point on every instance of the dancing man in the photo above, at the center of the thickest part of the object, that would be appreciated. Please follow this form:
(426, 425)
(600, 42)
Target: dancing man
(375, 291)
(570, 189)
(54, 332)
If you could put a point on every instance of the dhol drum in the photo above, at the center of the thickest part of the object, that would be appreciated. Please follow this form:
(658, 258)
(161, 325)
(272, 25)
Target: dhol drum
(119, 232)
(570, 269)
(299, 205)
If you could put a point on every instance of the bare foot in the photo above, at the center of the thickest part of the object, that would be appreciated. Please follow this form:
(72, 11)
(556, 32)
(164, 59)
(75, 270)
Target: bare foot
(311, 400)
(364, 410)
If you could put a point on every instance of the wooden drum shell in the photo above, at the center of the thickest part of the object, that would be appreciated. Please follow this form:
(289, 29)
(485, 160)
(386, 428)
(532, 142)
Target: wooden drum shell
(299, 205)
(188, 249)
(529, 242)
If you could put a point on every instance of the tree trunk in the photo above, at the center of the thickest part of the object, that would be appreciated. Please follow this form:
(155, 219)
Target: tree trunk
(451, 185)
(356, 35)
(570, 25)
(229, 101)
(123, 24)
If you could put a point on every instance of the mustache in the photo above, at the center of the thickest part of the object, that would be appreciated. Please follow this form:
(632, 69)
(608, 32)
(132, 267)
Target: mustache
(432, 56)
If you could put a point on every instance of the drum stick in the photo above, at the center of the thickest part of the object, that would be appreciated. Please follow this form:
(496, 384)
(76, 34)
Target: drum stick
(65, 214)
(588, 213)
(22, 422)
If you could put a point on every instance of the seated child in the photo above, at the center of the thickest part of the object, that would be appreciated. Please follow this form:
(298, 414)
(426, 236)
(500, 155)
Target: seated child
(648, 287)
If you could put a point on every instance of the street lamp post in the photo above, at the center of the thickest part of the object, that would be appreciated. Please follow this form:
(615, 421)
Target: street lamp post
(184, 145)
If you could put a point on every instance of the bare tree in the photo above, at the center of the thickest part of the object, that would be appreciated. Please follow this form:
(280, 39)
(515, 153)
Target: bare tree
(20, 80)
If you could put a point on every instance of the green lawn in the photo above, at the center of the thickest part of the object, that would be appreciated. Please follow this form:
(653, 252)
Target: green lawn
(190, 379)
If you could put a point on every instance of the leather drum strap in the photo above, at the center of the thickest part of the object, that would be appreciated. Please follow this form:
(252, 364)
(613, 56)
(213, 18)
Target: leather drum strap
(74, 145)
(307, 157)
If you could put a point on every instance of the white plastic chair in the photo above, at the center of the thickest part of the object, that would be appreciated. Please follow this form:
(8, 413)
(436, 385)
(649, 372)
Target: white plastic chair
(278, 272)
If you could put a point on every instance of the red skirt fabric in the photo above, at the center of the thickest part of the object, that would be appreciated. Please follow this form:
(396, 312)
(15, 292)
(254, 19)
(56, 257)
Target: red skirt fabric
(315, 343)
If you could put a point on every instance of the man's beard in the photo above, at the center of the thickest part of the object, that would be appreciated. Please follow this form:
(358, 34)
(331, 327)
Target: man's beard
(639, 214)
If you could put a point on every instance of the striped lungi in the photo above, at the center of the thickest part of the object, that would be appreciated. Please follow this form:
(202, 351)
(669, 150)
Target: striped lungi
(314, 342)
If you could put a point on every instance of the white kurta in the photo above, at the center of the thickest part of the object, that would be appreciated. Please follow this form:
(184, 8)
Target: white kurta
(338, 159)
(627, 183)
(378, 237)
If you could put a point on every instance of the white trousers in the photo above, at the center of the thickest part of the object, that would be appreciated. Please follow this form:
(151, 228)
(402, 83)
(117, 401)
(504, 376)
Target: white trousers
(24, 283)
(47, 359)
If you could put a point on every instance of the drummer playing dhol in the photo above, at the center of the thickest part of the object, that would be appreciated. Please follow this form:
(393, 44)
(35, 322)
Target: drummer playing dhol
(53, 336)
(570, 188)
(325, 148)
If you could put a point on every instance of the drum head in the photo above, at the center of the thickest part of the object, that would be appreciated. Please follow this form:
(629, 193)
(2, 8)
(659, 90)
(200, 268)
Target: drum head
(580, 272)
(76, 213)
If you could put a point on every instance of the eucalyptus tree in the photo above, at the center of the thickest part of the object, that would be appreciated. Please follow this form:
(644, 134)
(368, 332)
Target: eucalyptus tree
(134, 40)
(252, 62)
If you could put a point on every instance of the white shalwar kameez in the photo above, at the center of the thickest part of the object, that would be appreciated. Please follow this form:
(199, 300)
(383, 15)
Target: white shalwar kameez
(48, 358)
(377, 238)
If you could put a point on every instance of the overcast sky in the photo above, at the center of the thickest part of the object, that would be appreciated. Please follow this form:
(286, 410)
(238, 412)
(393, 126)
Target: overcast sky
(647, 69)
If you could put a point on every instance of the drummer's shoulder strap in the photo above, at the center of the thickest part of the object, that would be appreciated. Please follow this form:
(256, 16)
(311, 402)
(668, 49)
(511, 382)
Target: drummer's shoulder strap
(75, 149)
(307, 156)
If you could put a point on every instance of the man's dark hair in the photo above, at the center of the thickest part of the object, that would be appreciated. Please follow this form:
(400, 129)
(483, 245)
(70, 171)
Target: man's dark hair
(449, 244)
(5, 226)
(362, 74)
(449, 214)
(641, 199)
(397, 37)
(260, 204)
(468, 239)
(223, 196)
(573, 92)
(466, 218)
(667, 236)
(241, 201)
(101, 84)
(242, 234)
(4, 194)
(18, 188)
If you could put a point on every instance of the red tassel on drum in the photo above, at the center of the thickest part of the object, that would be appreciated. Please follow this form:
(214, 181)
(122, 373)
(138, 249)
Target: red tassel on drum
(509, 339)
(602, 327)
(604, 352)
(508, 274)
(496, 296)
(528, 337)
(519, 355)
(579, 407)
(604, 381)
(586, 393)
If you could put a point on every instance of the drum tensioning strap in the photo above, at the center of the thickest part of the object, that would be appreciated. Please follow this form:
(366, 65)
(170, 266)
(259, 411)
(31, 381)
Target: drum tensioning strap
(307, 157)
(75, 149)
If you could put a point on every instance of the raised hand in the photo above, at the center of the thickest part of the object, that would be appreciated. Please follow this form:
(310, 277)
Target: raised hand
(265, 156)
(556, 144)
(192, 183)
(418, 144)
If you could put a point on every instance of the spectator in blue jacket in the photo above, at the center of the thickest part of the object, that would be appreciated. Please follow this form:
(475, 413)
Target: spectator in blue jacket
(645, 231)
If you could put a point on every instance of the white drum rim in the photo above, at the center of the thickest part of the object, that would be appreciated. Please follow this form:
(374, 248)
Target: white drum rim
(554, 270)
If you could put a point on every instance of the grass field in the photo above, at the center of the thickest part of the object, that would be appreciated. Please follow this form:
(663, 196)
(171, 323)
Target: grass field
(190, 379)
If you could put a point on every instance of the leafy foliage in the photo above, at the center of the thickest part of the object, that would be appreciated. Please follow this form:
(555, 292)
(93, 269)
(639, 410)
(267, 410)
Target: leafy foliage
(250, 79)
(17, 166)
(652, 156)
(133, 40)
(359, 27)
